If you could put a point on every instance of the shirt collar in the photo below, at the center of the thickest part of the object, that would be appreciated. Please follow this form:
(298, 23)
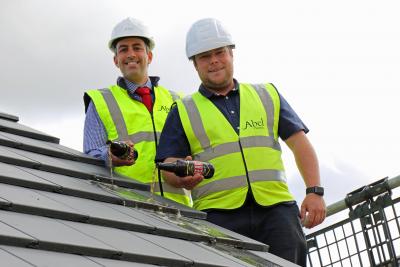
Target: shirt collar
(208, 94)
(131, 87)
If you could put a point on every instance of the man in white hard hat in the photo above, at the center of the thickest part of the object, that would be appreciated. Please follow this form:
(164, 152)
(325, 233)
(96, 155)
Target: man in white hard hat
(132, 111)
(236, 126)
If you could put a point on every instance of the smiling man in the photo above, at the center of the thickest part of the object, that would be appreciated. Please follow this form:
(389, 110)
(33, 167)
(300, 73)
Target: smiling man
(236, 127)
(133, 111)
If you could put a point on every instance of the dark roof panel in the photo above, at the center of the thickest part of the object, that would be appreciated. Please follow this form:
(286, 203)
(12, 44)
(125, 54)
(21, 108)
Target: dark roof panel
(38, 257)
(115, 263)
(61, 166)
(79, 154)
(11, 174)
(35, 202)
(9, 126)
(8, 155)
(6, 231)
(201, 255)
(9, 117)
(164, 224)
(65, 167)
(46, 148)
(60, 207)
(8, 259)
(26, 257)
(183, 210)
(55, 234)
(30, 144)
(100, 213)
(75, 187)
(271, 258)
(132, 246)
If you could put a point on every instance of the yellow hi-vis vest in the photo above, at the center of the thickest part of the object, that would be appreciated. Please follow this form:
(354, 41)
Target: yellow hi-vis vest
(248, 161)
(126, 119)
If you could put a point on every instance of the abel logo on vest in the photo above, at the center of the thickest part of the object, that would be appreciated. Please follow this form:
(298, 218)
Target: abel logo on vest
(254, 124)
(164, 108)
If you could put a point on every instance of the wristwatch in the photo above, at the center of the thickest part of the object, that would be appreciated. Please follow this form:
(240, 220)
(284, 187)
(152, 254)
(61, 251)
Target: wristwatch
(318, 190)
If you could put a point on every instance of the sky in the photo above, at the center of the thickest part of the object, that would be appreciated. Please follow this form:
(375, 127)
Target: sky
(336, 62)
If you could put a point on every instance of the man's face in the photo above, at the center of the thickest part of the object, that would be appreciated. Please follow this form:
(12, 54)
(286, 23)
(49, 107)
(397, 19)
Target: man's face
(133, 58)
(215, 68)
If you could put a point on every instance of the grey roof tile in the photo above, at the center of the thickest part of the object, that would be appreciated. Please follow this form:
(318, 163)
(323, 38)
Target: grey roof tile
(76, 187)
(5, 140)
(115, 263)
(184, 210)
(46, 148)
(162, 226)
(271, 258)
(18, 141)
(9, 231)
(67, 166)
(32, 201)
(56, 202)
(9, 117)
(12, 256)
(79, 155)
(11, 174)
(132, 246)
(8, 259)
(99, 213)
(198, 254)
(8, 155)
(10, 126)
(4, 204)
(38, 257)
(226, 236)
(52, 234)
(218, 234)
(62, 166)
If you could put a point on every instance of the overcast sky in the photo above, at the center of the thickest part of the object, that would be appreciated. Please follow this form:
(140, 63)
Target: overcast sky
(337, 63)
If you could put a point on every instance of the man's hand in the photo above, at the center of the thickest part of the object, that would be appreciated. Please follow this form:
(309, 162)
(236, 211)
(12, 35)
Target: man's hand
(116, 162)
(313, 210)
(187, 182)
(190, 182)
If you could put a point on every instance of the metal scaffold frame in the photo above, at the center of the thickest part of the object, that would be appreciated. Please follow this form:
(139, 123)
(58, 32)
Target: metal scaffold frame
(370, 236)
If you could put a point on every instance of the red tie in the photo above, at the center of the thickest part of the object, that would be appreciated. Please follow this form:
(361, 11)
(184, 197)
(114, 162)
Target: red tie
(144, 92)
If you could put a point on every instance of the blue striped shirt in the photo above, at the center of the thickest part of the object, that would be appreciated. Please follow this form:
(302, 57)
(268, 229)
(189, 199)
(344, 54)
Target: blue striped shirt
(94, 132)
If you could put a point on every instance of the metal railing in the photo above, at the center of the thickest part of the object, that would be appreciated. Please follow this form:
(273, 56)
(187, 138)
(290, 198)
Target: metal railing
(370, 236)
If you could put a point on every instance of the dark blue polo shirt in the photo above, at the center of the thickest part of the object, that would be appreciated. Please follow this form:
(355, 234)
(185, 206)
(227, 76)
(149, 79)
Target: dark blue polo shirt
(174, 143)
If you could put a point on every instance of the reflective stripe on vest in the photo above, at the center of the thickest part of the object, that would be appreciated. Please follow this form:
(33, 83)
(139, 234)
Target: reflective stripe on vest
(118, 119)
(237, 181)
(127, 119)
(210, 142)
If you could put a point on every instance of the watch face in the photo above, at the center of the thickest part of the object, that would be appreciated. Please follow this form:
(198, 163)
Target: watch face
(319, 190)
(316, 190)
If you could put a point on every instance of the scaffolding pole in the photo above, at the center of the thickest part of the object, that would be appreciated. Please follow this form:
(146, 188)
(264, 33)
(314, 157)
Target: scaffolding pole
(369, 237)
(363, 193)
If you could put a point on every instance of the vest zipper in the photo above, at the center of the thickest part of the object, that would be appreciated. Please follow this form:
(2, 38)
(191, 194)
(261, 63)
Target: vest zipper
(245, 166)
(156, 143)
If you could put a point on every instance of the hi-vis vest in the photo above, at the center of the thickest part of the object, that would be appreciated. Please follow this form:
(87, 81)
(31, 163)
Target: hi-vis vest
(126, 119)
(248, 161)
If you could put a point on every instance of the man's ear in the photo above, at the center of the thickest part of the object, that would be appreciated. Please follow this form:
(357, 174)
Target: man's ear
(150, 56)
(116, 61)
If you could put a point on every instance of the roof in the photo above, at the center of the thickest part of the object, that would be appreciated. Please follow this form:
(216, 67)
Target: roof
(60, 207)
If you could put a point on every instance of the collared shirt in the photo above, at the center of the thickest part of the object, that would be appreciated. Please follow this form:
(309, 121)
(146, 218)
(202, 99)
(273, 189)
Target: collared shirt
(174, 143)
(94, 132)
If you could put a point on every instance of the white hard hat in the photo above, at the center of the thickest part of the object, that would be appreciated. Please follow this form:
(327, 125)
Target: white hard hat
(130, 27)
(206, 34)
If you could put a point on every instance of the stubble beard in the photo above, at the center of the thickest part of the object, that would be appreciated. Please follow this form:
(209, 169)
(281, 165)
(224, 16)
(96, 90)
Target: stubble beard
(220, 87)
